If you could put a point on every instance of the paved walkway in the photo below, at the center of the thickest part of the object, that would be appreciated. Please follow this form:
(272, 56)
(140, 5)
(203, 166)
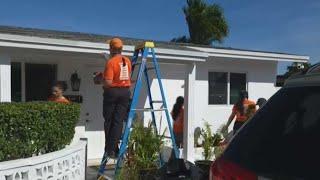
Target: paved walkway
(92, 173)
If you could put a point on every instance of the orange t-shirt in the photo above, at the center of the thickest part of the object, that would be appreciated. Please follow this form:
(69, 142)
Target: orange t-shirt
(59, 100)
(178, 123)
(119, 74)
(246, 104)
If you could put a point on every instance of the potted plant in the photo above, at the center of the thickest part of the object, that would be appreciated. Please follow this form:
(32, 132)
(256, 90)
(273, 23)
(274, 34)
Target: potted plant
(222, 144)
(210, 140)
(142, 161)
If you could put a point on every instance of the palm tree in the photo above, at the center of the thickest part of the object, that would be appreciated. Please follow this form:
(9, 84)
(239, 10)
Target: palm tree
(206, 23)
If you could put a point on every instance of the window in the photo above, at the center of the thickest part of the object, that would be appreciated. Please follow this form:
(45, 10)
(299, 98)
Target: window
(238, 83)
(39, 80)
(218, 87)
(15, 82)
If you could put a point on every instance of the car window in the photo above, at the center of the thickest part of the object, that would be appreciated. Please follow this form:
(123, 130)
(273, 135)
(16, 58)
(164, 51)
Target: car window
(282, 138)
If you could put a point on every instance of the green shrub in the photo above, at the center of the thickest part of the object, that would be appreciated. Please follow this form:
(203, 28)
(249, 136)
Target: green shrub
(143, 151)
(210, 140)
(33, 128)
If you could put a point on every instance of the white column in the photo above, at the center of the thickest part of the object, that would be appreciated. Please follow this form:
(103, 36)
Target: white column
(189, 114)
(5, 78)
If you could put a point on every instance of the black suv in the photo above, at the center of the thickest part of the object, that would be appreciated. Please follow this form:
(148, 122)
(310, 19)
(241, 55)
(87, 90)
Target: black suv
(282, 141)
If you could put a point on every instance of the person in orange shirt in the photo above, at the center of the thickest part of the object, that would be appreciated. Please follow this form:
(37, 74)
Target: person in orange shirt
(57, 94)
(241, 111)
(178, 118)
(116, 96)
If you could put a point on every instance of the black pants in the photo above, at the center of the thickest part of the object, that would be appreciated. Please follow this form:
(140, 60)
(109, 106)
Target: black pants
(115, 110)
(237, 125)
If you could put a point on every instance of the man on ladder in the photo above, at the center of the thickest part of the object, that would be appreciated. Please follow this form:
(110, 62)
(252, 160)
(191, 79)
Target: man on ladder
(116, 96)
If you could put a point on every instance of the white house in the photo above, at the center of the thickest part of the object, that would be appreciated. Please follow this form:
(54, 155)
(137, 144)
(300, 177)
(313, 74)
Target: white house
(209, 78)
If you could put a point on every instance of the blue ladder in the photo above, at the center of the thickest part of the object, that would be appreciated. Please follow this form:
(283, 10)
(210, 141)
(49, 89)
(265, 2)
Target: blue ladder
(144, 50)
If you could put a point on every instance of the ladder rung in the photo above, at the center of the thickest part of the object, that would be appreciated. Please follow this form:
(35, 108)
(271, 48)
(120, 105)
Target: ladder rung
(149, 109)
(150, 68)
(157, 101)
(137, 63)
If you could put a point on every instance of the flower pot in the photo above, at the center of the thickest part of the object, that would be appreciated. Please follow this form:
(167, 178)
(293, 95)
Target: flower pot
(148, 174)
(204, 165)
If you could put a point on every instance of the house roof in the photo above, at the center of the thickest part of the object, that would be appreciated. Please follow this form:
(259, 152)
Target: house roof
(198, 50)
(79, 36)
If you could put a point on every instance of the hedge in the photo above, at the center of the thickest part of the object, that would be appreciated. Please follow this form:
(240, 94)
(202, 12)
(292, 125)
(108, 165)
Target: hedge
(34, 128)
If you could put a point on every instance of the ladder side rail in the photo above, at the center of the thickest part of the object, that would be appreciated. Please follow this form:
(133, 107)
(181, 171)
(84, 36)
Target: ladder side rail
(135, 99)
(169, 121)
(147, 79)
(103, 163)
(150, 102)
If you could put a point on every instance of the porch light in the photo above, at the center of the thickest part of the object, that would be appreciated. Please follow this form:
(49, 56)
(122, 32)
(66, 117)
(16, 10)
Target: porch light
(75, 82)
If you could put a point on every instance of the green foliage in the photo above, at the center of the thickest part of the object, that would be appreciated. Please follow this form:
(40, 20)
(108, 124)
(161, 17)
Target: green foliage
(207, 141)
(206, 23)
(210, 140)
(143, 151)
(34, 128)
(294, 68)
(147, 145)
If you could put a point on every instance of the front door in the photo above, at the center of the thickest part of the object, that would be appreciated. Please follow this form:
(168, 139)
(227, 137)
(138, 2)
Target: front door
(92, 112)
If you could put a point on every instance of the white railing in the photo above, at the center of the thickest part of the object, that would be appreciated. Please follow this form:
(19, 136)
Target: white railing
(66, 164)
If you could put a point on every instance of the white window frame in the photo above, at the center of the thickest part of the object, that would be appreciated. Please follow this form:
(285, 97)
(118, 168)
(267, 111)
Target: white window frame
(228, 85)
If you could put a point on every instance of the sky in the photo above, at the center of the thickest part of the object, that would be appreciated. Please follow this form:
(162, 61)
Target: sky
(291, 26)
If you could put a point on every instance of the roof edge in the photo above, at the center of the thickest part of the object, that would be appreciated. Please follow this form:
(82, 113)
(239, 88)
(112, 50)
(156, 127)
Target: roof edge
(216, 52)
(37, 42)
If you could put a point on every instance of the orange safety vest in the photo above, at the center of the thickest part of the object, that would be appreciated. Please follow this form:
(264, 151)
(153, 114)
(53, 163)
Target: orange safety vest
(118, 69)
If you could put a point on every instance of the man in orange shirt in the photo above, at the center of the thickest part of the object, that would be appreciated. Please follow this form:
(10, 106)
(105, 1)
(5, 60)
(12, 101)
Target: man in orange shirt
(116, 96)
(242, 111)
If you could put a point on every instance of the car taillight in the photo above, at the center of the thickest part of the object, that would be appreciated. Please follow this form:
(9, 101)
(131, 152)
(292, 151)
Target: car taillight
(225, 170)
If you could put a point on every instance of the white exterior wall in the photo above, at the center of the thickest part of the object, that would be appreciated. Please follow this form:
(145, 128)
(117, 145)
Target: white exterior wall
(5, 78)
(173, 81)
(261, 77)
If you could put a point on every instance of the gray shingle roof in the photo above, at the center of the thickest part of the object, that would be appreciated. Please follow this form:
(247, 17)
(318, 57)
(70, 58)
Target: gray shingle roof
(79, 36)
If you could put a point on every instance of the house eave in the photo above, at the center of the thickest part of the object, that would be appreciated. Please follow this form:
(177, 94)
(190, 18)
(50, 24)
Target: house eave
(34, 42)
(254, 55)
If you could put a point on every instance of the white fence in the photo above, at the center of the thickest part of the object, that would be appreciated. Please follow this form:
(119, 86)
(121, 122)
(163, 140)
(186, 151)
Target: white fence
(66, 164)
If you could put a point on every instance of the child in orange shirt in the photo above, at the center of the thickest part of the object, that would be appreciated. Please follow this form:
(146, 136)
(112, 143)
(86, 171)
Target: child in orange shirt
(57, 94)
